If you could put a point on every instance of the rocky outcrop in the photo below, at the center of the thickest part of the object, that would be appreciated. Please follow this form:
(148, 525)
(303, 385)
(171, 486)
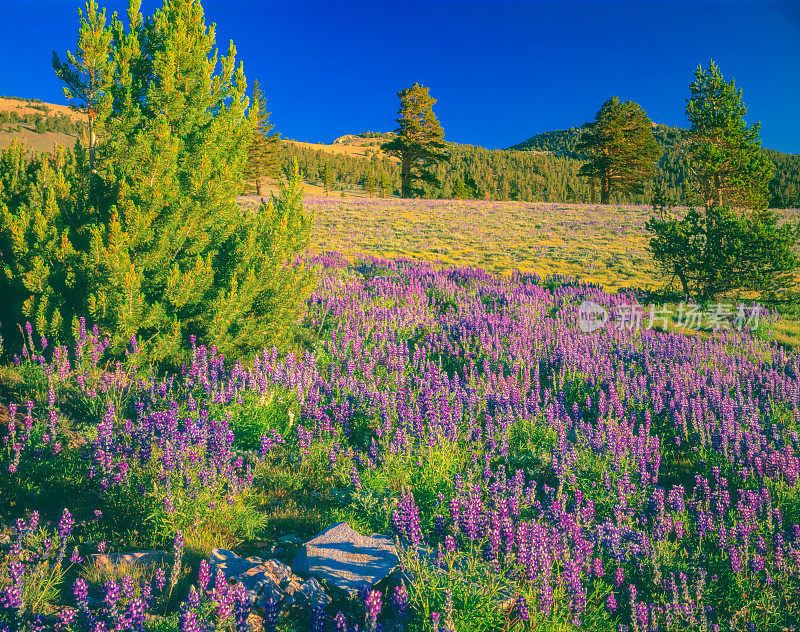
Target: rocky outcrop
(347, 560)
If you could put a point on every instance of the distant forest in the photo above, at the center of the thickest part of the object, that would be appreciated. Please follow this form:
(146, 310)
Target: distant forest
(40, 123)
(543, 168)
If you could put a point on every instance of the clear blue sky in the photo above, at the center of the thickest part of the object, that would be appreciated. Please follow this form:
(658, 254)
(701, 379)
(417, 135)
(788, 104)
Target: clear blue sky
(501, 71)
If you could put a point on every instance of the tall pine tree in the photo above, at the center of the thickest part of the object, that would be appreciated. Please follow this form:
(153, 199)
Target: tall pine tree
(151, 242)
(263, 162)
(725, 157)
(419, 143)
(620, 148)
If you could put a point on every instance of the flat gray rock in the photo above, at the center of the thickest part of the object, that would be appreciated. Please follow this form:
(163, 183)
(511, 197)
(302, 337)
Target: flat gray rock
(230, 563)
(346, 559)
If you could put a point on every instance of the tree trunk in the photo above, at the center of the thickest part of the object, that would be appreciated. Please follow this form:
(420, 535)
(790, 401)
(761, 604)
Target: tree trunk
(258, 187)
(405, 177)
(92, 141)
(605, 190)
(682, 278)
(593, 192)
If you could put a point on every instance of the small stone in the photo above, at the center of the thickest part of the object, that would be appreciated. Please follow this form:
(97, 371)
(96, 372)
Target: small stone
(312, 595)
(131, 558)
(290, 539)
(280, 572)
(251, 577)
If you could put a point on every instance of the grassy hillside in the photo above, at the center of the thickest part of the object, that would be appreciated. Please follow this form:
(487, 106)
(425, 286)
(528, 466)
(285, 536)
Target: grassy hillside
(41, 126)
(672, 168)
(541, 169)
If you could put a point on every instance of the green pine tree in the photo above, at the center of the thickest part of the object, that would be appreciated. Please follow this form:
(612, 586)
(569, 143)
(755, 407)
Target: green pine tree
(327, 178)
(725, 157)
(620, 148)
(369, 183)
(419, 141)
(385, 184)
(732, 244)
(263, 160)
(147, 240)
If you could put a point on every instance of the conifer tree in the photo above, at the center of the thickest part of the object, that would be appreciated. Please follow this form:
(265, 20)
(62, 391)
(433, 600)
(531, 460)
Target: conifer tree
(725, 157)
(327, 178)
(386, 184)
(369, 183)
(734, 243)
(620, 148)
(150, 242)
(88, 74)
(263, 159)
(419, 143)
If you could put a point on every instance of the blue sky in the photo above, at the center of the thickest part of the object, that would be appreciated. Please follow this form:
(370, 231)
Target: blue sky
(501, 71)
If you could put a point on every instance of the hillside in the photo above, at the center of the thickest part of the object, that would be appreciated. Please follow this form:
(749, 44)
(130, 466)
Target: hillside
(543, 168)
(673, 169)
(41, 126)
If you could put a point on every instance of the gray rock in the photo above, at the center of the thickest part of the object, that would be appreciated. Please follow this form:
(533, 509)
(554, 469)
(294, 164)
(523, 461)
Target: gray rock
(280, 573)
(312, 595)
(230, 563)
(346, 559)
(291, 590)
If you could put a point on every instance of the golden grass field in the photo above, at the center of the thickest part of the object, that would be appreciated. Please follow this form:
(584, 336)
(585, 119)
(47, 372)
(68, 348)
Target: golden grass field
(606, 245)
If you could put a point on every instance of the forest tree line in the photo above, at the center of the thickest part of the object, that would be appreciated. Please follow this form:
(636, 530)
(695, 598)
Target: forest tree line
(544, 168)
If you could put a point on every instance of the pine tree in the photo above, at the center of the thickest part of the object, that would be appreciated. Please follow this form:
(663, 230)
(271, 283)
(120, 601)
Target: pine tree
(720, 249)
(620, 148)
(369, 183)
(148, 241)
(725, 157)
(386, 185)
(88, 74)
(263, 159)
(327, 178)
(419, 143)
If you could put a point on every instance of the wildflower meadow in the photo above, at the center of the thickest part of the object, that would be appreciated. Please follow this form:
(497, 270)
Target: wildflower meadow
(534, 476)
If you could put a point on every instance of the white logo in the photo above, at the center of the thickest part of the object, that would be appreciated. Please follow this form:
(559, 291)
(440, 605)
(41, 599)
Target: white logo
(591, 316)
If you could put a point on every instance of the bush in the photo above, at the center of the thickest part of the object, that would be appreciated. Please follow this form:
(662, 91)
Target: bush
(718, 251)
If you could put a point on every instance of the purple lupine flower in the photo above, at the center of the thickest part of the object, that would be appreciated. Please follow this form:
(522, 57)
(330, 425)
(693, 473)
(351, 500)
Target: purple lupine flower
(65, 525)
(80, 590)
(188, 621)
(203, 576)
(160, 579)
(177, 552)
(521, 609)
(319, 619)
(372, 603)
(65, 618)
(241, 607)
(400, 600)
(271, 614)
(340, 621)
(111, 598)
